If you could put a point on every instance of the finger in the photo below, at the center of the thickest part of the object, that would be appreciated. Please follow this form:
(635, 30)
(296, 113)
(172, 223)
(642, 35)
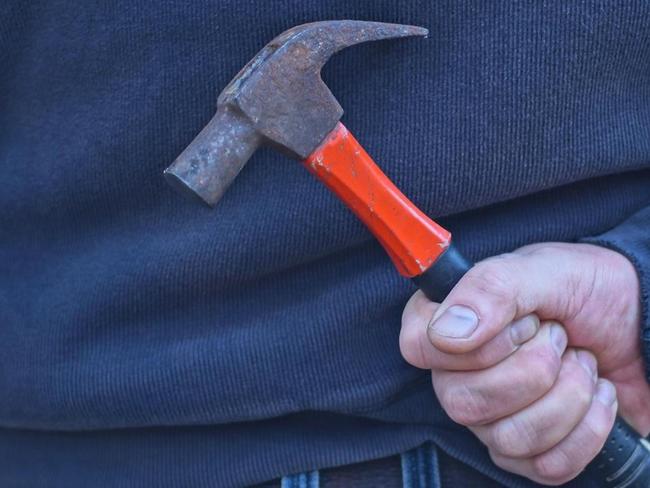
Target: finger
(418, 350)
(497, 291)
(543, 424)
(478, 397)
(568, 458)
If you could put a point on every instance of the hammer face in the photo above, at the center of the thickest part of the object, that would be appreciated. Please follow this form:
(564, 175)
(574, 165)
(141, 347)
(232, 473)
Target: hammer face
(210, 163)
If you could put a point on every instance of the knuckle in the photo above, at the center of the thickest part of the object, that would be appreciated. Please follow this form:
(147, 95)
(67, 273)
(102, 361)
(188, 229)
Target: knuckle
(483, 357)
(494, 277)
(512, 438)
(506, 463)
(501, 461)
(544, 365)
(555, 468)
(409, 346)
(600, 425)
(581, 386)
(417, 351)
(464, 405)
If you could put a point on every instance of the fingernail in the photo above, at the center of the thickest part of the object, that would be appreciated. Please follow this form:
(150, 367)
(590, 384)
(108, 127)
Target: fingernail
(606, 393)
(558, 338)
(456, 322)
(524, 329)
(588, 362)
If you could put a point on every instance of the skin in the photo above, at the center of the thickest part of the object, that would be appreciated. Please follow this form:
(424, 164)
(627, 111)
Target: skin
(536, 352)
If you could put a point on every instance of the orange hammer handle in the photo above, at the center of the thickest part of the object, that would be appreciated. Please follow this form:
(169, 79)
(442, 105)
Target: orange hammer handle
(412, 240)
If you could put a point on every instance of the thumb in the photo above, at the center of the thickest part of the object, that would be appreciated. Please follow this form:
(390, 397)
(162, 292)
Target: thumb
(497, 291)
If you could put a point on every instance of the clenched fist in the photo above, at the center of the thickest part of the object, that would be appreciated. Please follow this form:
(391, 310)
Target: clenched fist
(541, 393)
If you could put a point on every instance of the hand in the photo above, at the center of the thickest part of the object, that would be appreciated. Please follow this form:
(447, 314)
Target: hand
(531, 392)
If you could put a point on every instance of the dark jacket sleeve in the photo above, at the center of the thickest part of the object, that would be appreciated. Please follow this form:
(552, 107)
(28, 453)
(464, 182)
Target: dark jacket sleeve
(632, 239)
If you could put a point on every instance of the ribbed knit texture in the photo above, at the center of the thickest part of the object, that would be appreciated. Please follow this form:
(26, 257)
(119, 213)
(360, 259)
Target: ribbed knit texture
(148, 341)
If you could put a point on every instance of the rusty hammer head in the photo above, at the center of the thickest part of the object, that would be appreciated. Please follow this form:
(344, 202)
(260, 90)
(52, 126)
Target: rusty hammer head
(277, 98)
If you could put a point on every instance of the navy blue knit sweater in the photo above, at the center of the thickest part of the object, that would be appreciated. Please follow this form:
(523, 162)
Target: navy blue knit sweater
(147, 341)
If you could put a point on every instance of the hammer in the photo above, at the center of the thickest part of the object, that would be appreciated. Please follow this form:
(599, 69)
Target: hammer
(279, 98)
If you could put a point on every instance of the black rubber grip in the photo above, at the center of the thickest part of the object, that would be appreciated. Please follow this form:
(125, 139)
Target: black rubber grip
(437, 281)
(624, 461)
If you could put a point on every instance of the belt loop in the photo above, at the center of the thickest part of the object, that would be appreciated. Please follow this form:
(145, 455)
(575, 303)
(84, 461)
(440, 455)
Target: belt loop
(420, 468)
(301, 480)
